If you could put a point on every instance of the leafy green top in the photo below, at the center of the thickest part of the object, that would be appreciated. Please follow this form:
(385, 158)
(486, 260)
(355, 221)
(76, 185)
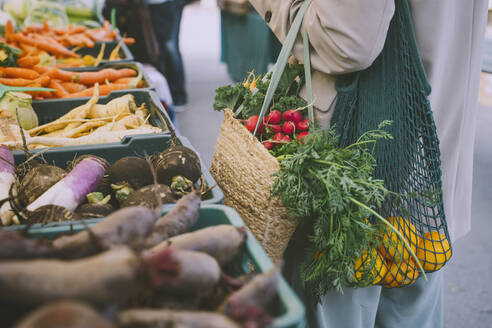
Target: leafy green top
(317, 182)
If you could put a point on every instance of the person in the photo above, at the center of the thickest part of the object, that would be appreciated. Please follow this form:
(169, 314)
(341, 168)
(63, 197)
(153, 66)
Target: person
(166, 20)
(347, 36)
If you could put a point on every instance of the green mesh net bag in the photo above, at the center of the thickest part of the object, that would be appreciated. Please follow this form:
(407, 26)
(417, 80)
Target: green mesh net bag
(396, 88)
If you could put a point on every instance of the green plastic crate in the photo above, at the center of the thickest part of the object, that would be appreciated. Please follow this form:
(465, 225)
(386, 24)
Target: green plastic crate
(287, 310)
(124, 52)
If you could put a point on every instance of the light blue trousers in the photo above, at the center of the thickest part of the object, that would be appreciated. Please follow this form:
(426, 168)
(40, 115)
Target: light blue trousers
(419, 305)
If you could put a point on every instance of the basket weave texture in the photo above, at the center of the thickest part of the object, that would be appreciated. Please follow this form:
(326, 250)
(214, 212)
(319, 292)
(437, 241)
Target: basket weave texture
(243, 169)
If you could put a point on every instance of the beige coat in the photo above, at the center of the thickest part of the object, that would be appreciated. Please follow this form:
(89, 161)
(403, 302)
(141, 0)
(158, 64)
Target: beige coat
(348, 35)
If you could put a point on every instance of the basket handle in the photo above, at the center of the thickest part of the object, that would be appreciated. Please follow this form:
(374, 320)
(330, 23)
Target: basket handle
(282, 62)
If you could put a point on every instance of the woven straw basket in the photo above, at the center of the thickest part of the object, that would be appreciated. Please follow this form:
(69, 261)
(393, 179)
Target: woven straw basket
(243, 169)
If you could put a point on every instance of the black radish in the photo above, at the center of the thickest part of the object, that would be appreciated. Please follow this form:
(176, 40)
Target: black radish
(147, 196)
(129, 174)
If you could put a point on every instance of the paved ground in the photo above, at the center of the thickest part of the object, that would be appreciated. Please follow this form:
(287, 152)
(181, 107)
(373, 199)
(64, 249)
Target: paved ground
(468, 278)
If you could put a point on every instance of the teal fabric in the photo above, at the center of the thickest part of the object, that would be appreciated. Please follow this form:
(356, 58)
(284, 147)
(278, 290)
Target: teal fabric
(247, 43)
(395, 88)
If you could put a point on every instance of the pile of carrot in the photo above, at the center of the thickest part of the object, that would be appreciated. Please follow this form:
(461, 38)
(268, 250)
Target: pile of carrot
(66, 83)
(35, 40)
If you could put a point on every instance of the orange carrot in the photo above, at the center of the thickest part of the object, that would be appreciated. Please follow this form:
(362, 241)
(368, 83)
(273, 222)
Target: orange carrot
(41, 43)
(24, 73)
(15, 82)
(76, 29)
(104, 90)
(128, 41)
(128, 80)
(65, 76)
(110, 74)
(28, 61)
(9, 31)
(60, 91)
(73, 87)
(43, 80)
(41, 69)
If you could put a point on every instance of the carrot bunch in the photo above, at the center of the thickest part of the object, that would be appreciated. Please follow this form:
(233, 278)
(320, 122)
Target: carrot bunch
(66, 83)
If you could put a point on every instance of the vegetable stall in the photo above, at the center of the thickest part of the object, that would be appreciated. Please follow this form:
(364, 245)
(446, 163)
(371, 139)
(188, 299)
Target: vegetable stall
(108, 217)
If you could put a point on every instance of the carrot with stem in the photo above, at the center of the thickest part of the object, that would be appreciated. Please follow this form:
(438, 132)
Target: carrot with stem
(104, 90)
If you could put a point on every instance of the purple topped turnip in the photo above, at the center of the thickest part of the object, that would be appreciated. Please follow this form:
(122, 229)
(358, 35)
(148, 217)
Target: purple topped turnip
(7, 178)
(105, 185)
(69, 192)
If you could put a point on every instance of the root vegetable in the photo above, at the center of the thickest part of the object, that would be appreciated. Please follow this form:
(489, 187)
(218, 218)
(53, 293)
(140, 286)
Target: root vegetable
(109, 74)
(121, 105)
(274, 117)
(14, 246)
(37, 181)
(64, 314)
(51, 213)
(177, 160)
(257, 293)
(268, 144)
(251, 124)
(89, 210)
(93, 138)
(289, 127)
(105, 185)
(17, 72)
(180, 219)
(222, 242)
(72, 189)
(110, 277)
(182, 272)
(303, 125)
(146, 196)
(28, 61)
(152, 318)
(7, 178)
(301, 136)
(127, 226)
(131, 170)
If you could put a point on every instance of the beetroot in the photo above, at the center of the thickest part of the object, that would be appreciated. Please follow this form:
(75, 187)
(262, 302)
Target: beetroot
(154, 318)
(64, 314)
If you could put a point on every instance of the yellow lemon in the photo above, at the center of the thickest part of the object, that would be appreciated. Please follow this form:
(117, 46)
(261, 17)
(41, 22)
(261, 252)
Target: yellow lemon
(393, 248)
(369, 268)
(400, 275)
(434, 251)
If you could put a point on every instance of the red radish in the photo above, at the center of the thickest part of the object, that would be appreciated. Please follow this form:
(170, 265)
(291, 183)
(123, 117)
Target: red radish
(251, 124)
(292, 115)
(268, 144)
(274, 127)
(302, 136)
(278, 136)
(274, 117)
(303, 125)
(289, 127)
(286, 139)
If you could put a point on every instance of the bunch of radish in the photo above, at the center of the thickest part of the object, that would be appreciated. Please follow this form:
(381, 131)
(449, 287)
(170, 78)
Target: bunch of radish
(133, 269)
(279, 128)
